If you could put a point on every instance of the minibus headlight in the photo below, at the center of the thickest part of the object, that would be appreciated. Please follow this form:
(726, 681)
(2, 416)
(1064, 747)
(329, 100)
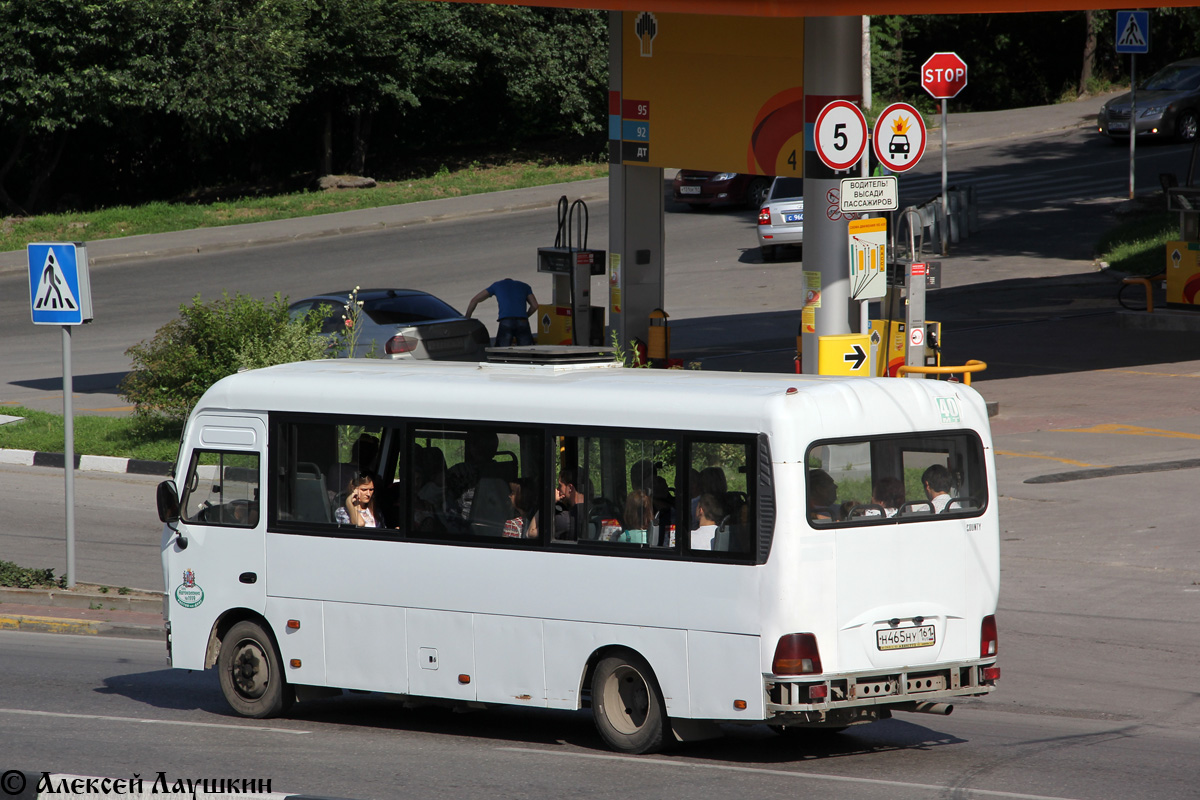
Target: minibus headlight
(989, 643)
(797, 654)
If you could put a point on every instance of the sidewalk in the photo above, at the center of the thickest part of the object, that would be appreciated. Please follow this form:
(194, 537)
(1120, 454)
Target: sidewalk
(83, 611)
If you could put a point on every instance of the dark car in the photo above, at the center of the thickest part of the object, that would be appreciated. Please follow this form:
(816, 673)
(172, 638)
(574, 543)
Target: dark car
(1168, 105)
(700, 189)
(401, 323)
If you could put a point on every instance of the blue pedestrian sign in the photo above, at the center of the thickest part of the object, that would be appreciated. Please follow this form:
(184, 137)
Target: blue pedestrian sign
(60, 291)
(1133, 31)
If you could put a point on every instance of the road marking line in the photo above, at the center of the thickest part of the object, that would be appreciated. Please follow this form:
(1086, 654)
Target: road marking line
(1155, 374)
(1130, 430)
(1051, 458)
(186, 723)
(958, 791)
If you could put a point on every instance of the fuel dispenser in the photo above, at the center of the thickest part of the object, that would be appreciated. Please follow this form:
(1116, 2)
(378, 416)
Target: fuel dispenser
(570, 318)
(1183, 255)
(903, 337)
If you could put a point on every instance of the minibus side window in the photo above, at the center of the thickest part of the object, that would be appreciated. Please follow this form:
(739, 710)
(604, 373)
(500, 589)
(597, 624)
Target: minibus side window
(721, 504)
(467, 481)
(895, 479)
(221, 489)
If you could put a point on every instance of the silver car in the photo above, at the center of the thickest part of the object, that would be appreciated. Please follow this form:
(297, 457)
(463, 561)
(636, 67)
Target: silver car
(781, 218)
(399, 323)
(1168, 105)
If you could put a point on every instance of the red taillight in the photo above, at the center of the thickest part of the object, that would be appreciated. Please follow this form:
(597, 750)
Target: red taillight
(399, 344)
(818, 691)
(989, 674)
(797, 654)
(764, 216)
(989, 643)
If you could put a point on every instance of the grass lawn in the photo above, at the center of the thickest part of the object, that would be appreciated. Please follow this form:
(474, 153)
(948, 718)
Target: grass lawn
(126, 437)
(1137, 244)
(111, 223)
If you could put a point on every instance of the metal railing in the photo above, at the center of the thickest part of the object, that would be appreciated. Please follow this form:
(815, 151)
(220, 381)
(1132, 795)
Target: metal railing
(971, 366)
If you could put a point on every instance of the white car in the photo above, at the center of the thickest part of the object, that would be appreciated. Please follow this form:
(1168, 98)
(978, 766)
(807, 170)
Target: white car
(781, 218)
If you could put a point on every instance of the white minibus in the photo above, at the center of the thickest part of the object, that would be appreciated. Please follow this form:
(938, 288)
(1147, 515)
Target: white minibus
(672, 549)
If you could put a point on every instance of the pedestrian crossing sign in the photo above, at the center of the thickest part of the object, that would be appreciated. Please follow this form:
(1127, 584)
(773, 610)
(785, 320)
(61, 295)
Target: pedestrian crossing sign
(1133, 31)
(60, 291)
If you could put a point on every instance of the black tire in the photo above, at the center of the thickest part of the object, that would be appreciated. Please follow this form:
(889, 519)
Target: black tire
(1187, 126)
(627, 705)
(756, 193)
(251, 673)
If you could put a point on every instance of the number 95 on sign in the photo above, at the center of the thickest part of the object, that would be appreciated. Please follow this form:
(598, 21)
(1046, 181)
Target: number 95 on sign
(840, 135)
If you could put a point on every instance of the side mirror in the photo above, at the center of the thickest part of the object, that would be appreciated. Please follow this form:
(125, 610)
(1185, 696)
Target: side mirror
(168, 502)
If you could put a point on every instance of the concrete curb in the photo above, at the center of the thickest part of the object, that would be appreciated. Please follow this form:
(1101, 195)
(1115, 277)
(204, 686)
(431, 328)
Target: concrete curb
(84, 597)
(130, 466)
(80, 627)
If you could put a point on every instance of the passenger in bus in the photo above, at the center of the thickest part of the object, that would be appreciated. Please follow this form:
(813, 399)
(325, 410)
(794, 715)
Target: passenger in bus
(462, 480)
(888, 494)
(822, 494)
(364, 455)
(639, 518)
(664, 510)
(712, 481)
(523, 496)
(359, 509)
(938, 482)
(710, 514)
(570, 500)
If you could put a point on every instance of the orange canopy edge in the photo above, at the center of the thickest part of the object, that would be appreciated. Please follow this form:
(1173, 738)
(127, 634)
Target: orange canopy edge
(818, 8)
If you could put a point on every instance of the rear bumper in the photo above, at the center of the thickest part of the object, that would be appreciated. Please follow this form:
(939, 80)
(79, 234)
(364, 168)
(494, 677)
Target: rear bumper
(853, 695)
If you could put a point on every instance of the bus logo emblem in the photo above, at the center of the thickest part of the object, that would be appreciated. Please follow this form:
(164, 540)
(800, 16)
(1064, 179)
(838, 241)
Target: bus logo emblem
(188, 594)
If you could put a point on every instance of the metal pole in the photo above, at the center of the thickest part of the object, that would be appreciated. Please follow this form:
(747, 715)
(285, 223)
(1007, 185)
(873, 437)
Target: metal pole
(69, 452)
(1132, 116)
(945, 226)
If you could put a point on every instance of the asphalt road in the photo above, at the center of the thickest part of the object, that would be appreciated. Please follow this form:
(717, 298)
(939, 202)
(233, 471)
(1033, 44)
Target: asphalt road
(65, 701)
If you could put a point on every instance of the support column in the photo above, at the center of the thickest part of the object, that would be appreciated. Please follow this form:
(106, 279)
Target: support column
(636, 228)
(832, 71)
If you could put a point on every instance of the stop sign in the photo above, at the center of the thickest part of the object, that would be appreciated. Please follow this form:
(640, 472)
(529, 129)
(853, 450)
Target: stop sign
(944, 75)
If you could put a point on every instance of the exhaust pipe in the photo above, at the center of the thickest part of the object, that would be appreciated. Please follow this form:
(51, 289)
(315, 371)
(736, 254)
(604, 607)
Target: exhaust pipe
(941, 709)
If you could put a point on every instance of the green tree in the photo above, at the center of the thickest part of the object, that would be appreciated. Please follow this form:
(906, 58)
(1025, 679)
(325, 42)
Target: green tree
(228, 67)
(210, 341)
(63, 63)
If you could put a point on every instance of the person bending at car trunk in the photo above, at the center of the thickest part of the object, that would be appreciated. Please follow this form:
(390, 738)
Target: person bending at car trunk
(517, 304)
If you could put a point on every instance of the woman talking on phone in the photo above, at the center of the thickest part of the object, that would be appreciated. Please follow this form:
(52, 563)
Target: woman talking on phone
(360, 502)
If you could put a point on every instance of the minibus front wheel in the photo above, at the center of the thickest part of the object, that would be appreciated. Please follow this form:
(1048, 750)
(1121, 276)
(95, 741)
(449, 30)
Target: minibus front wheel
(627, 705)
(251, 672)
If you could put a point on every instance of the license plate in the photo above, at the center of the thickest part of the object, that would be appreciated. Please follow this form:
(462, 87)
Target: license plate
(794, 217)
(689, 190)
(1118, 126)
(904, 638)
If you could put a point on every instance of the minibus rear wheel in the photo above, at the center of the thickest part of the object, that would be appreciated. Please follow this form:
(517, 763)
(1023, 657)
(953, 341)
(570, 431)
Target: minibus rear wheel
(627, 705)
(251, 673)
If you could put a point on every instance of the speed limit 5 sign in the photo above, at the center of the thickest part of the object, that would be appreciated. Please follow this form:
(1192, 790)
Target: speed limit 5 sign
(840, 135)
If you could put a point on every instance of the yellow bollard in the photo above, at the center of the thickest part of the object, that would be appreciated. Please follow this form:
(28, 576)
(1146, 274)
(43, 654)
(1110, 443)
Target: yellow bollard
(658, 343)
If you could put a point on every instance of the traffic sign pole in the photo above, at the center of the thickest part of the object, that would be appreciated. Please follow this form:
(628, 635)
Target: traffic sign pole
(60, 293)
(1132, 117)
(945, 226)
(69, 452)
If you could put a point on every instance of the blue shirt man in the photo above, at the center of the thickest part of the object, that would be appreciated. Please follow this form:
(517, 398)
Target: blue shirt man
(516, 303)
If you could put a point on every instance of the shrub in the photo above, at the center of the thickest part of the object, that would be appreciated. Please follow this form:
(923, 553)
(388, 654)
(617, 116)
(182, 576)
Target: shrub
(26, 577)
(210, 341)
